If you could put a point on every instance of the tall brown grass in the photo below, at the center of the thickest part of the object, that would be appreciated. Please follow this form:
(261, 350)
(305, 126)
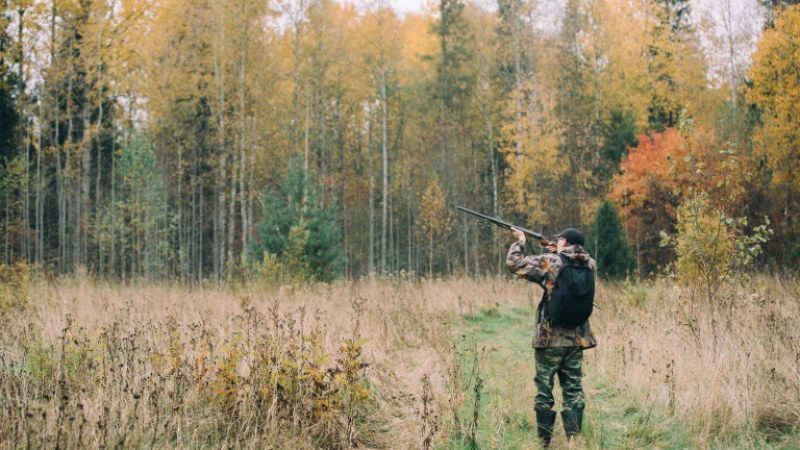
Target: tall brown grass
(365, 364)
(93, 364)
(744, 385)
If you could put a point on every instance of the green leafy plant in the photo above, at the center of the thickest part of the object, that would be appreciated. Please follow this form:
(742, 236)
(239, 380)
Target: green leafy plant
(713, 246)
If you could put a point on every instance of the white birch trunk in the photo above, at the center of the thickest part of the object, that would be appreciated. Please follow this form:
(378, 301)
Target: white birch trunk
(221, 224)
(371, 247)
(385, 156)
(38, 199)
(243, 143)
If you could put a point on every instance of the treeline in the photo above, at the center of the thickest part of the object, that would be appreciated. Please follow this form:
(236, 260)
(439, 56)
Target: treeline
(166, 138)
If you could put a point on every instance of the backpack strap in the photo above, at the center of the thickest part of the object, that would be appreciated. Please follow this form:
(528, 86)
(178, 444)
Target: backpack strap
(566, 261)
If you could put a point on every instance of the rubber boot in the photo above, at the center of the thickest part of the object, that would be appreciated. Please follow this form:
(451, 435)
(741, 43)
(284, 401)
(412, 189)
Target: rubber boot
(573, 420)
(545, 420)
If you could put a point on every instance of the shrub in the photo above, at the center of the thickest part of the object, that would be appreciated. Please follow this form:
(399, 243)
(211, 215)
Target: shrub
(15, 284)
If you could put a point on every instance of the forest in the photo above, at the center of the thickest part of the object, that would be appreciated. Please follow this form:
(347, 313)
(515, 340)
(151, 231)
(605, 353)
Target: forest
(224, 140)
(233, 223)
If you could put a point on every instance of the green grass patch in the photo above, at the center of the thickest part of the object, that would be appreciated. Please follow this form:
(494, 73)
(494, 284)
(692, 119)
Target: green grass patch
(494, 345)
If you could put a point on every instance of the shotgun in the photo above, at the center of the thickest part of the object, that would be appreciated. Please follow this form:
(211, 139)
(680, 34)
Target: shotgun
(538, 236)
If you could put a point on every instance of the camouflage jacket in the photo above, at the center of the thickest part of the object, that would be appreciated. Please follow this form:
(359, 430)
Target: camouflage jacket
(542, 269)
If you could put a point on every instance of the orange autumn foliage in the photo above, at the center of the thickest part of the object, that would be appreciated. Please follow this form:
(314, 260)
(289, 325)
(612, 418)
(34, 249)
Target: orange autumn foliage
(653, 177)
(644, 191)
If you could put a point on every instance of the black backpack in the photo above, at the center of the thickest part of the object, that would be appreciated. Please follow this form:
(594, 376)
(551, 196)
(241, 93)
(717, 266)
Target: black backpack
(572, 299)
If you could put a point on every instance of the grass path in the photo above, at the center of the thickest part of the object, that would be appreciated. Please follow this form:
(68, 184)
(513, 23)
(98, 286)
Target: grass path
(497, 341)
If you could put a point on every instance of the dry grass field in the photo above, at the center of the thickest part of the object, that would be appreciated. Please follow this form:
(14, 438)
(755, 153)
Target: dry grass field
(394, 363)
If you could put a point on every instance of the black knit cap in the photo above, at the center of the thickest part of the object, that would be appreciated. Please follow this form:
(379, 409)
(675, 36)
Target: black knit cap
(572, 236)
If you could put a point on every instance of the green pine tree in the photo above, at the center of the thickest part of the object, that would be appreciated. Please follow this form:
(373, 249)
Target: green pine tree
(8, 83)
(294, 217)
(455, 75)
(607, 244)
(618, 135)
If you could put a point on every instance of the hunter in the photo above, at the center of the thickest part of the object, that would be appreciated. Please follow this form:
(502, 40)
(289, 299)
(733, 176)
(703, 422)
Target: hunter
(558, 348)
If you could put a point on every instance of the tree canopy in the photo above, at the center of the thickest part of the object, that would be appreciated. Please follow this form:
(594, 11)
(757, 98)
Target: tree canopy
(391, 119)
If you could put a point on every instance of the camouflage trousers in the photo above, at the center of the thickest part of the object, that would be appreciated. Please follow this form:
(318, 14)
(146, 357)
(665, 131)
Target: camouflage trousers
(566, 363)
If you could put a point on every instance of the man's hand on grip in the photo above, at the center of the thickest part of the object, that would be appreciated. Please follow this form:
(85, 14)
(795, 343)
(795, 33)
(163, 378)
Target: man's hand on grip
(518, 234)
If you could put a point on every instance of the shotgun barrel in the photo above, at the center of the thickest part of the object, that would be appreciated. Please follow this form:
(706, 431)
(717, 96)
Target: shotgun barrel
(502, 224)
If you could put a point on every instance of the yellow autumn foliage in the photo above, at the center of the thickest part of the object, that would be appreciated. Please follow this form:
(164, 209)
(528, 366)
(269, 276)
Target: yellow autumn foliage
(776, 89)
(704, 241)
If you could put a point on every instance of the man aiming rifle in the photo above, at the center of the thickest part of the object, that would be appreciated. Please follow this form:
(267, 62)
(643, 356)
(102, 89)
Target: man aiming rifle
(566, 272)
